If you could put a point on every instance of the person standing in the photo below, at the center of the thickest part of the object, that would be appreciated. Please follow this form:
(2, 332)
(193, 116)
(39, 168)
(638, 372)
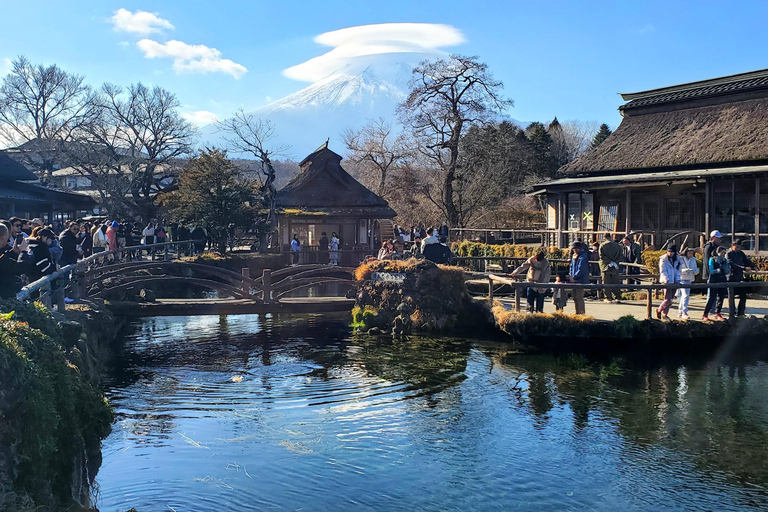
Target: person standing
(149, 234)
(739, 262)
(11, 269)
(538, 270)
(610, 257)
(39, 255)
(295, 249)
(334, 246)
(70, 250)
(579, 273)
(322, 246)
(709, 251)
(718, 273)
(100, 241)
(670, 266)
(689, 268)
(112, 235)
(632, 254)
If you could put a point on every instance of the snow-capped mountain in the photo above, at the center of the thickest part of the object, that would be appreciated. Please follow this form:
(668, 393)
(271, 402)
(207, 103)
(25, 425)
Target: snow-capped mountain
(366, 89)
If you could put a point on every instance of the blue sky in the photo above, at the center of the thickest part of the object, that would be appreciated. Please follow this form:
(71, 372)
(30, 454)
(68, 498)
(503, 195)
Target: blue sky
(560, 58)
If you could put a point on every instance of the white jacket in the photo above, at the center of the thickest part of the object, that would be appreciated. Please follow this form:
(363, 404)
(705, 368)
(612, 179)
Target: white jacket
(688, 269)
(669, 272)
(100, 239)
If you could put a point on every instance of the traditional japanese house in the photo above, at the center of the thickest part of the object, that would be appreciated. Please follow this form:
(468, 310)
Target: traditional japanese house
(685, 160)
(22, 195)
(323, 197)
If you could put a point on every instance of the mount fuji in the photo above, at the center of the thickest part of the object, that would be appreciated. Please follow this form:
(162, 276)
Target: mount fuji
(365, 89)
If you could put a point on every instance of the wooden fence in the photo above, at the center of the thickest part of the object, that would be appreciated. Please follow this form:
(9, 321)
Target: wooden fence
(518, 286)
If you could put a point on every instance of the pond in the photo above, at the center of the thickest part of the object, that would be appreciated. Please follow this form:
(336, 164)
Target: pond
(298, 413)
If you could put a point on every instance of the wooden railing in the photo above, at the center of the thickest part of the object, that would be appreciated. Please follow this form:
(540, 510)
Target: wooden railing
(51, 289)
(518, 286)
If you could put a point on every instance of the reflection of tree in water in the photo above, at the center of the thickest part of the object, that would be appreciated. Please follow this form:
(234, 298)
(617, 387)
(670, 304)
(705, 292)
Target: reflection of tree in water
(716, 414)
(426, 364)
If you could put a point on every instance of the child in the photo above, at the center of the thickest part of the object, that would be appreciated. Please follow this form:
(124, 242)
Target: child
(560, 295)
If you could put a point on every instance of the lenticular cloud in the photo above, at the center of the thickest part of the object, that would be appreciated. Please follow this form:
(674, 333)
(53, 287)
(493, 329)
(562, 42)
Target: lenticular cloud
(353, 42)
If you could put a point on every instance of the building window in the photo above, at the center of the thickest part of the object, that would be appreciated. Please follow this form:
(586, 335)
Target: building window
(71, 182)
(645, 214)
(681, 213)
(581, 212)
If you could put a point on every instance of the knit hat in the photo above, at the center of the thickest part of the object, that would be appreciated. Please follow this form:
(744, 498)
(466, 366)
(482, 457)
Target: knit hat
(686, 249)
(672, 248)
(115, 224)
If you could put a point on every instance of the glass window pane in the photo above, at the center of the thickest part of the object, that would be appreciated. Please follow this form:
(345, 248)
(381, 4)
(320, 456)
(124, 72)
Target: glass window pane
(574, 212)
(722, 206)
(744, 198)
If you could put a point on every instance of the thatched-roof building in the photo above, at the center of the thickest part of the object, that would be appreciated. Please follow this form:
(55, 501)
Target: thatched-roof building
(323, 197)
(21, 195)
(685, 160)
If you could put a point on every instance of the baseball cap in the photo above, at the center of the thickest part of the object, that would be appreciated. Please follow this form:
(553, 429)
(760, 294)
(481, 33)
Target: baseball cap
(715, 234)
(38, 221)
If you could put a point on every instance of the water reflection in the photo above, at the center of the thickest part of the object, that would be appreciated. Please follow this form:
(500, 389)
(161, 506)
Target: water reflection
(248, 413)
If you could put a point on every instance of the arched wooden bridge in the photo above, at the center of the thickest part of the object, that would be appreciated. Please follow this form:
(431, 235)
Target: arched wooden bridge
(115, 274)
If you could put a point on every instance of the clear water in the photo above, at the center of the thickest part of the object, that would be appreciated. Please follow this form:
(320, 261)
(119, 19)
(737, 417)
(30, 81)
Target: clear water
(261, 413)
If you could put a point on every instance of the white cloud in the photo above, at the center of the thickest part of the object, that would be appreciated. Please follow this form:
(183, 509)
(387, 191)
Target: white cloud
(139, 22)
(362, 40)
(200, 117)
(188, 58)
(5, 66)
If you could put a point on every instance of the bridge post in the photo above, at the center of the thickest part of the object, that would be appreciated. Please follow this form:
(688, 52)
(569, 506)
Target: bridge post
(266, 280)
(59, 297)
(78, 284)
(490, 291)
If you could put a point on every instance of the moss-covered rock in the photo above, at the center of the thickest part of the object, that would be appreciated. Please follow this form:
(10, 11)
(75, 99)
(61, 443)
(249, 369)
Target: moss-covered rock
(51, 413)
(434, 295)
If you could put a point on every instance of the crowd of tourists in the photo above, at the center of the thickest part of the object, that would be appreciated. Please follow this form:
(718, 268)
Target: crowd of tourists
(610, 260)
(31, 249)
(430, 244)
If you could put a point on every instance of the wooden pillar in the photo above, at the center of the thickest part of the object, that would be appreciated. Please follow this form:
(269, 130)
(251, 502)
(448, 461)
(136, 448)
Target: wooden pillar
(627, 210)
(707, 207)
(490, 291)
(649, 305)
(266, 279)
(757, 215)
(731, 303)
(517, 298)
(733, 209)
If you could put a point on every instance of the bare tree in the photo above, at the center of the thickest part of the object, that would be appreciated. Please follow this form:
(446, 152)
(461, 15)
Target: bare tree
(571, 139)
(42, 105)
(446, 98)
(247, 134)
(132, 148)
(378, 151)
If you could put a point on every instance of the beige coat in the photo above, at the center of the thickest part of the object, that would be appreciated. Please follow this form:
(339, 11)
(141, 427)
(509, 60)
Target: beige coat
(537, 272)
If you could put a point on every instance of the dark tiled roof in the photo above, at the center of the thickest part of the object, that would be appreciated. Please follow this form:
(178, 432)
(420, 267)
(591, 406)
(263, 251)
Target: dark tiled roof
(744, 82)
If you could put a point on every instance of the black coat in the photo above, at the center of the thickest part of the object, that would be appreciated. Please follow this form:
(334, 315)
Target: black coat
(739, 262)
(68, 242)
(39, 260)
(10, 272)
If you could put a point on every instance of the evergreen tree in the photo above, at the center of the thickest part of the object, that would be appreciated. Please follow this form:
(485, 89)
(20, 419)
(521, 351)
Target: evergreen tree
(212, 194)
(541, 141)
(601, 135)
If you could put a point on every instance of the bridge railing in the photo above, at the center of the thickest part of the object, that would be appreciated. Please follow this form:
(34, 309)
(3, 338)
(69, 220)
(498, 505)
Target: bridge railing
(519, 286)
(51, 289)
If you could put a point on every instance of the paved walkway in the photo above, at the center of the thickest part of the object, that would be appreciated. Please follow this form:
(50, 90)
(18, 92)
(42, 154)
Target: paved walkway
(602, 311)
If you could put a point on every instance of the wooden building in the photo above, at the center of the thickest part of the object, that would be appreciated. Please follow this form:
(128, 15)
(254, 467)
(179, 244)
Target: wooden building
(22, 195)
(685, 160)
(323, 197)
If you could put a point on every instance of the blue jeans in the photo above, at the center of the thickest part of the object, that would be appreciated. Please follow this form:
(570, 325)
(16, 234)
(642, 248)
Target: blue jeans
(535, 300)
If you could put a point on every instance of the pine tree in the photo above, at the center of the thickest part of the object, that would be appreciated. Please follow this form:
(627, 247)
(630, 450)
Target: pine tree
(600, 136)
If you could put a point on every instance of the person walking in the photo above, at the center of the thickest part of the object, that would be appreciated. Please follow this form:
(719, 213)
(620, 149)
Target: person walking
(719, 269)
(688, 270)
(610, 257)
(334, 246)
(295, 249)
(739, 262)
(538, 270)
(670, 266)
(579, 273)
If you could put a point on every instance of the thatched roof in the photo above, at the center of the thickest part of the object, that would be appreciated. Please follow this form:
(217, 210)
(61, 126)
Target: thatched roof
(718, 122)
(10, 169)
(322, 184)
